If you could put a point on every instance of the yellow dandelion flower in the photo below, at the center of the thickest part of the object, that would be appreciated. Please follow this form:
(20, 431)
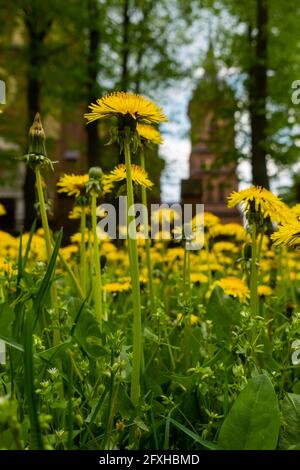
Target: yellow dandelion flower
(115, 287)
(264, 290)
(194, 319)
(76, 237)
(68, 251)
(2, 210)
(296, 211)
(138, 174)
(72, 185)
(149, 133)
(7, 267)
(210, 219)
(75, 213)
(102, 235)
(122, 103)
(225, 246)
(198, 278)
(261, 200)
(235, 287)
(165, 214)
(287, 234)
(234, 230)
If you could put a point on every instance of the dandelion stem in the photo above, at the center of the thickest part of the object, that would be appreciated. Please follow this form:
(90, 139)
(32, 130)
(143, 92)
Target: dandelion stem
(147, 241)
(134, 270)
(83, 273)
(253, 274)
(45, 225)
(43, 213)
(97, 284)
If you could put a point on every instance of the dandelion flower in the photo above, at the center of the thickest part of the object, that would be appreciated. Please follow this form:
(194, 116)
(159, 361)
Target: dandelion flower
(235, 287)
(75, 213)
(165, 214)
(260, 200)
(198, 278)
(2, 210)
(115, 287)
(225, 246)
(264, 291)
(149, 133)
(138, 174)
(72, 185)
(287, 234)
(126, 104)
(296, 211)
(234, 230)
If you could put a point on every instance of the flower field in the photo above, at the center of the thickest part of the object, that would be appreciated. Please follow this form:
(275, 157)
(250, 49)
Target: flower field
(143, 343)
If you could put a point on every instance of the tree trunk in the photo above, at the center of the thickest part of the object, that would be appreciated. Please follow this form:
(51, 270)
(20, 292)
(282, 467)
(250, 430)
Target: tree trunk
(93, 139)
(126, 47)
(35, 61)
(258, 95)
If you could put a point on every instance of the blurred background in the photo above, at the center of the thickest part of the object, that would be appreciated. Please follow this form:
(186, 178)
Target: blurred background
(225, 72)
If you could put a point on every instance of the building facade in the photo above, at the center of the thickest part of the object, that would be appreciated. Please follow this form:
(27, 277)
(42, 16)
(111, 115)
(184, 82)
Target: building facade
(212, 162)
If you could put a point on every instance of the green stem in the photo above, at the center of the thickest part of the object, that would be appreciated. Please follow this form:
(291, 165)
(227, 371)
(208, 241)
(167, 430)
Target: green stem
(184, 273)
(253, 274)
(45, 225)
(189, 269)
(43, 213)
(83, 274)
(259, 252)
(147, 241)
(134, 270)
(97, 282)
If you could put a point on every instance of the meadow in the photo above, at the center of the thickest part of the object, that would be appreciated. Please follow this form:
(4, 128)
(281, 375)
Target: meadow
(145, 344)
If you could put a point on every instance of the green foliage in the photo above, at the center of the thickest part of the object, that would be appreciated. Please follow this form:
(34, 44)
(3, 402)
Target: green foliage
(253, 421)
(290, 432)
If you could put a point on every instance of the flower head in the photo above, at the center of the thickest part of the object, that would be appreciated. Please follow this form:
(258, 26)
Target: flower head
(116, 287)
(235, 287)
(231, 230)
(260, 200)
(287, 234)
(2, 210)
(264, 290)
(165, 214)
(75, 213)
(123, 104)
(149, 134)
(296, 211)
(72, 185)
(138, 174)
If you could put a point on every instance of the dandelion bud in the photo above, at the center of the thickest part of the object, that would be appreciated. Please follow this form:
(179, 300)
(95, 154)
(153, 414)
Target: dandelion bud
(37, 137)
(95, 173)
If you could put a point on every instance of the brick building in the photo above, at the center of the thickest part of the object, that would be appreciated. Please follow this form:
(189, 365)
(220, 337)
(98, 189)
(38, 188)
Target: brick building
(212, 160)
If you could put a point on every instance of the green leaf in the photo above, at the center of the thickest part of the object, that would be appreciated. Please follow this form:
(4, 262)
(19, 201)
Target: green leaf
(194, 436)
(253, 421)
(88, 335)
(224, 311)
(7, 316)
(54, 352)
(290, 432)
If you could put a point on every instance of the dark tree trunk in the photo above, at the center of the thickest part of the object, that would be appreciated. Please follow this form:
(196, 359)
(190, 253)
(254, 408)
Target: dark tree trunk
(126, 47)
(93, 139)
(35, 62)
(258, 95)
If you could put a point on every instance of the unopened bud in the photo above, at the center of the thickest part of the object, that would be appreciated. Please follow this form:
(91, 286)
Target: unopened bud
(37, 137)
(95, 173)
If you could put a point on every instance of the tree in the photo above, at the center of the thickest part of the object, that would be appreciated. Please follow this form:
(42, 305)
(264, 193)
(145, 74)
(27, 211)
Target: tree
(257, 42)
